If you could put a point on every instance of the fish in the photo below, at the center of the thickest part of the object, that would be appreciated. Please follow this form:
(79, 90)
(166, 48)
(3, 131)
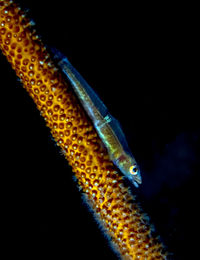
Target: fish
(107, 126)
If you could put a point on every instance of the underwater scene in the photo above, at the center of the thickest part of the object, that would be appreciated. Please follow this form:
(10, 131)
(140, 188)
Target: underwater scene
(141, 62)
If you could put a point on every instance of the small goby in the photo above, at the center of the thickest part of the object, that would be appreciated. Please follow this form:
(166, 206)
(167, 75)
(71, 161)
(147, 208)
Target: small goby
(107, 127)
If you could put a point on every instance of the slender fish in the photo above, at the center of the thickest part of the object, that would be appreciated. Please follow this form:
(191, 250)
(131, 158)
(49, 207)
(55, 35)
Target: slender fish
(108, 128)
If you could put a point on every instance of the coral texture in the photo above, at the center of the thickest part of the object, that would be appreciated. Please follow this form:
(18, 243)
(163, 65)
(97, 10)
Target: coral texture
(100, 181)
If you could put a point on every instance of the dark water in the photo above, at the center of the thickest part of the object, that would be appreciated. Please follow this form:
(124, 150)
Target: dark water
(144, 66)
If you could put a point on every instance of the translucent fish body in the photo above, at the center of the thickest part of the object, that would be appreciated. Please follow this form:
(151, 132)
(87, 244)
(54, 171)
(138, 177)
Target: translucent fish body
(108, 128)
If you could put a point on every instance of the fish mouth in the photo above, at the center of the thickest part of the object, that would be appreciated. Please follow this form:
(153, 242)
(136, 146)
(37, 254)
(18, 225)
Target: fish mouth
(138, 179)
(135, 184)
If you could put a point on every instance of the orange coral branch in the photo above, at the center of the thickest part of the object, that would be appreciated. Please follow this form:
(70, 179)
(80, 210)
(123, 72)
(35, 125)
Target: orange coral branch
(99, 179)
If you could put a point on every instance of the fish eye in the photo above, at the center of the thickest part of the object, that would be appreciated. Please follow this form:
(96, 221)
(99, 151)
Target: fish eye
(133, 170)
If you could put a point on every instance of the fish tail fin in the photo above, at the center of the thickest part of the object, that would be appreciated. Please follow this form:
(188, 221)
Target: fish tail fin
(58, 55)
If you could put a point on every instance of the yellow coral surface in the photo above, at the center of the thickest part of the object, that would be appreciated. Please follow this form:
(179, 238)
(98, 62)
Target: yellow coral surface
(98, 178)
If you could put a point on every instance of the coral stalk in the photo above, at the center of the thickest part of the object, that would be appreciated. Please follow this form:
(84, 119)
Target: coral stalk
(100, 181)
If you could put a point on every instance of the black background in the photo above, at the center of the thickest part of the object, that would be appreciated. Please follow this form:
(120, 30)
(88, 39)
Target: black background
(143, 62)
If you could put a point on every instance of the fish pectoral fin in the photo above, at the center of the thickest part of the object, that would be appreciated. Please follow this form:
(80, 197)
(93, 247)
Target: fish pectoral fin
(107, 119)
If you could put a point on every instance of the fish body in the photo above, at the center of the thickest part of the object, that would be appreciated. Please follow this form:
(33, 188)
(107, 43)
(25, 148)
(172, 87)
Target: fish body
(108, 128)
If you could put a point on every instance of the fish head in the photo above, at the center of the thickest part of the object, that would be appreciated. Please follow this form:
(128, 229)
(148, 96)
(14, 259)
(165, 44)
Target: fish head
(128, 166)
(134, 174)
